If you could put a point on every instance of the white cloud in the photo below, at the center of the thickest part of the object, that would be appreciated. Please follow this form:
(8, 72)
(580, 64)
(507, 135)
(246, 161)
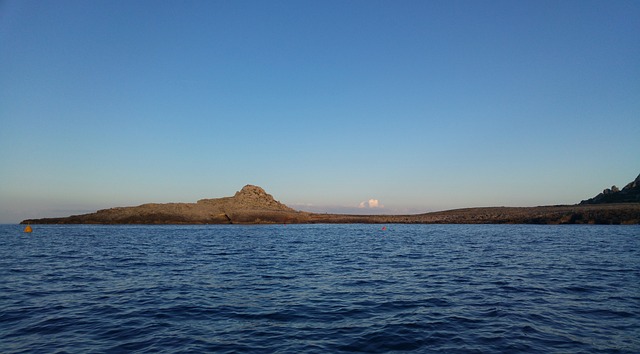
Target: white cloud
(371, 203)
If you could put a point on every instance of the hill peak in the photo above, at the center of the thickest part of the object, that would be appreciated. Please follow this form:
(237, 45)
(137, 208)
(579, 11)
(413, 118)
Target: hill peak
(629, 194)
(251, 196)
(251, 190)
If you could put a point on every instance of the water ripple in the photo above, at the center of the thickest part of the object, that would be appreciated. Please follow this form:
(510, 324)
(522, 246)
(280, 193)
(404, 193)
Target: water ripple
(320, 288)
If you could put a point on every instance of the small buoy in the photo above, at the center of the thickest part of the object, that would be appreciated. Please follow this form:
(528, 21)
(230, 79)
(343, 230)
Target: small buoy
(28, 228)
(384, 228)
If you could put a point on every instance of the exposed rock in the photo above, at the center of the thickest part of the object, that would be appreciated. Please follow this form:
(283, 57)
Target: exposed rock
(250, 205)
(254, 197)
(629, 194)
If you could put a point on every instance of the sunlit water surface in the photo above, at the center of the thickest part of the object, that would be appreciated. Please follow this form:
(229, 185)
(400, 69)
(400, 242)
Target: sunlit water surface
(320, 288)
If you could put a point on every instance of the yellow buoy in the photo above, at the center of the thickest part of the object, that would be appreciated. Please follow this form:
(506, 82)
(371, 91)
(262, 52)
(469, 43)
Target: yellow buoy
(28, 228)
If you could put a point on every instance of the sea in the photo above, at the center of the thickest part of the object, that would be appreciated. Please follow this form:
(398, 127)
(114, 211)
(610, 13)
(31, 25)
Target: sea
(320, 289)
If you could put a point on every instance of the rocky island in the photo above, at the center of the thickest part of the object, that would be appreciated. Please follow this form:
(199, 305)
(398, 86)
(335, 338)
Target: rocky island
(252, 205)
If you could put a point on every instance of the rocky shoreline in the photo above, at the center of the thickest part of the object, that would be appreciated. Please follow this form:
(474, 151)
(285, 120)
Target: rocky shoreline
(252, 205)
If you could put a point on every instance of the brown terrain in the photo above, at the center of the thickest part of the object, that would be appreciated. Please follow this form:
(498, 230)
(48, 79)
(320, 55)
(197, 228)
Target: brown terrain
(252, 205)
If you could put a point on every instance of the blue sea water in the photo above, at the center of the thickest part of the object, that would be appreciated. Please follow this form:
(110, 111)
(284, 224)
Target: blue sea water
(320, 288)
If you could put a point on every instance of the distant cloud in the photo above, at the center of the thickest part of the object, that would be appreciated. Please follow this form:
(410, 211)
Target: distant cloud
(352, 209)
(371, 203)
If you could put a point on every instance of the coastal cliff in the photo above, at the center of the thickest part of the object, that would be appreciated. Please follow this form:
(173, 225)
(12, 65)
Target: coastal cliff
(252, 205)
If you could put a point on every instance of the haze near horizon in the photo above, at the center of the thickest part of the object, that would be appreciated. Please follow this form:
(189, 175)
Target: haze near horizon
(337, 106)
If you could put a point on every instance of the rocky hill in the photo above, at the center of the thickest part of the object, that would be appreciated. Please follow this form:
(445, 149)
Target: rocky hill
(629, 194)
(250, 205)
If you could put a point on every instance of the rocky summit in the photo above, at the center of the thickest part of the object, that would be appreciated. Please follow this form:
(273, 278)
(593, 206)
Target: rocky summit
(251, 198)
(629, 194)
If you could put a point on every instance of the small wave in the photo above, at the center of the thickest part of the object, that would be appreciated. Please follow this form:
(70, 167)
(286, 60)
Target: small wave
(320, 289)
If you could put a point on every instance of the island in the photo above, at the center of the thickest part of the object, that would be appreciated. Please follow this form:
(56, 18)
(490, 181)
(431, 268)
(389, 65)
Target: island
(252, 205)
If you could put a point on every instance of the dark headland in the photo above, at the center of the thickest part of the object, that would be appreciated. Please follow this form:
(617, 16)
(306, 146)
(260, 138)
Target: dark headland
(252, 205)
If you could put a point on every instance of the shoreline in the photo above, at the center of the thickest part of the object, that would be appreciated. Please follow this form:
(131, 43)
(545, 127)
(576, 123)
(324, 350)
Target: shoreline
(603, 214)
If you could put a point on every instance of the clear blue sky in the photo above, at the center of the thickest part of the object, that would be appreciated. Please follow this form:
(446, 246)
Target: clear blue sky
(421, 105)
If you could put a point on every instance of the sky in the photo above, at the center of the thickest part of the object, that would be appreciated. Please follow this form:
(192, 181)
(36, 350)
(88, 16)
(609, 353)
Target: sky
(330, 106)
